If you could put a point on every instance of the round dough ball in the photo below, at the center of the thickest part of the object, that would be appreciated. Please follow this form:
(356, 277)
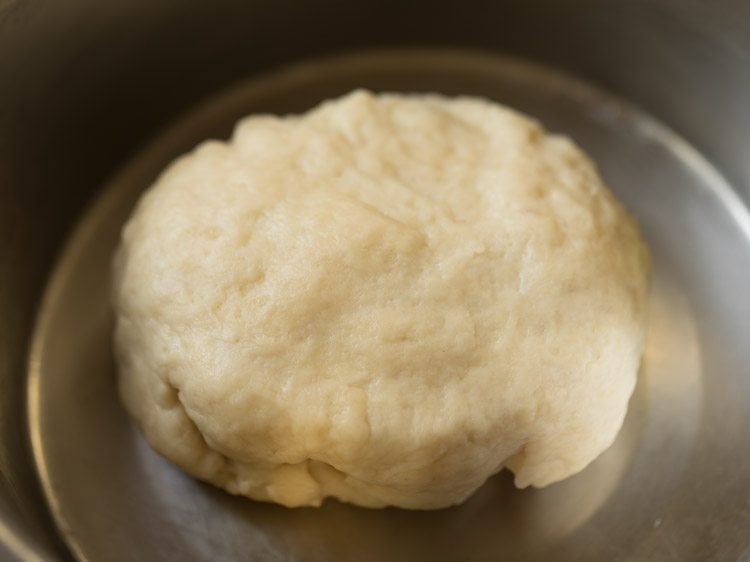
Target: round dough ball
(387, 300)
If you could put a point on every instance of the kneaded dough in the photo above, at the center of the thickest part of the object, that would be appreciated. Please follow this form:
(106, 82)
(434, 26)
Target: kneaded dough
(387, 300)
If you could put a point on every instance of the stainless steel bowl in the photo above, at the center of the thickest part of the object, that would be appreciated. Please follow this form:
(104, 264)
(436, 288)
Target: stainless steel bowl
(657, 91)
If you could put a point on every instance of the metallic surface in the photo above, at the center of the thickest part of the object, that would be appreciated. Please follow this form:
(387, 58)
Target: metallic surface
(83, 83)
(646, 498)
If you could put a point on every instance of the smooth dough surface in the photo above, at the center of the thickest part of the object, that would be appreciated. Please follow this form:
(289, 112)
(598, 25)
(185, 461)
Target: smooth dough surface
(387, 299)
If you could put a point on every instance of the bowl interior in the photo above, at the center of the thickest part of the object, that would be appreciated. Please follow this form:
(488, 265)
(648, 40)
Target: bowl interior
(115, 499)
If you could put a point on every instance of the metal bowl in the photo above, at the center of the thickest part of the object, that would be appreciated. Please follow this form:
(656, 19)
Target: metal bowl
(85, 85)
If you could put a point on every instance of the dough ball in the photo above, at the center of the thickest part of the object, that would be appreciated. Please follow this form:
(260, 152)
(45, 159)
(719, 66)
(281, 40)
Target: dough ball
(387, 300)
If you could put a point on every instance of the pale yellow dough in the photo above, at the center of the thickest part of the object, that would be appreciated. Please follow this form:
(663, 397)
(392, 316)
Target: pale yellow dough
(387, 300)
